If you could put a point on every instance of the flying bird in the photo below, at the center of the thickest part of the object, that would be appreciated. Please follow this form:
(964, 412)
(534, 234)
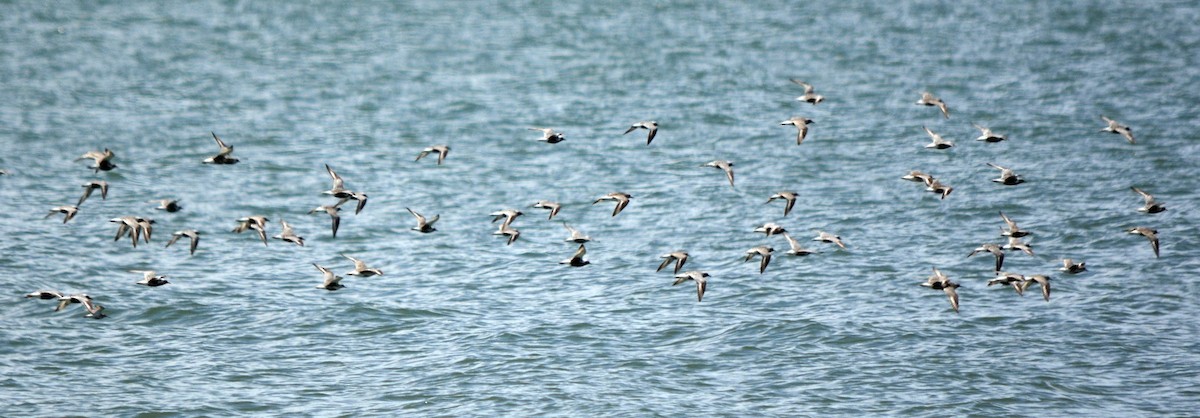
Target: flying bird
(576, 259)
(764, 253)
(441, 151)
(701, 279)
(679, 257)
(723, 165)
(509, 232)
(331, 281)
(102, 160)
(830, 238)
(424, 226)
(1012, 231)
(576, 236)
(151, 278)
(361, 269)
(1007, 176)
(622, 200)
(991, 248)
(1117, 128)
(938, 187)
(1017, 281)
(550, 136)
(192, 234)
(651, 126)
(508, 215)
(257, 223)
(918, 176)
(801, 123)
(339, 191)
(986, 135)
(788, 197)
(1151, 205)
(68, 210)
(809, 96)
(169, 205)
(1044, 281)
(288, 234)
(554, 207)
(796, 248)
(334, 217)
(223, 156)
(939, 281)
(1071, 267)
(936, 142)
(1150, 234)
(928, 99)
(93, 309)
(93, 185)
(770, 228)
(130, 225)
(1015, 243)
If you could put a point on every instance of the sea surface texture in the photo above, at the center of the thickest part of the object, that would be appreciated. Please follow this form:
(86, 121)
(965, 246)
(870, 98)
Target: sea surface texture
(462, 324)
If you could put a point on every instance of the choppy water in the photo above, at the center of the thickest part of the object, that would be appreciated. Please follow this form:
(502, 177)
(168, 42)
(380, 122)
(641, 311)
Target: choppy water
(463, 325)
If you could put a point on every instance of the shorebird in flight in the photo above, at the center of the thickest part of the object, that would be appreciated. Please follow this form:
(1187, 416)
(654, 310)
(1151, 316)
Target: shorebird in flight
(1071, 267)
(424, 226)
(928, 99)
(1007, 176)
(1017, 281)
(68, 210)
(257, 223)
(577, 259)
(222, 157)
(651, 126)
(1044, 281)
(1150, 234)
(576, 236)
(622, 200)
(550, 136)
(679, 257)
(762, 251)
(939, 281)
(701, 279)
(151, 278)
(288, 234)
(554, 207)
(361, 269)
(331, 281)
(103, 160)
(1117, 128)
(936, 141)
(1151, 205)
(986, 135)
(723, 165)
(801, 124)
(93, 185)
(809, 95)
(192, 234)
(788, 197)
(441, 150)
(991, 248)
(830, 238)
(334, 217)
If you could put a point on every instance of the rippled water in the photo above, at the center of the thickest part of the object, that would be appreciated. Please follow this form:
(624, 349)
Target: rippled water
(463, 325)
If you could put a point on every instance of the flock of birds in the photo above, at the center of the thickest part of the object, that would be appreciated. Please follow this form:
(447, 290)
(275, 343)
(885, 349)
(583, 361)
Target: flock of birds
(140, 229)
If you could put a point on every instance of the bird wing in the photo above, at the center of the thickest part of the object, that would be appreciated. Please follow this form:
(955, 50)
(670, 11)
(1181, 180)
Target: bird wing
(420, 219)
(953, 295)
